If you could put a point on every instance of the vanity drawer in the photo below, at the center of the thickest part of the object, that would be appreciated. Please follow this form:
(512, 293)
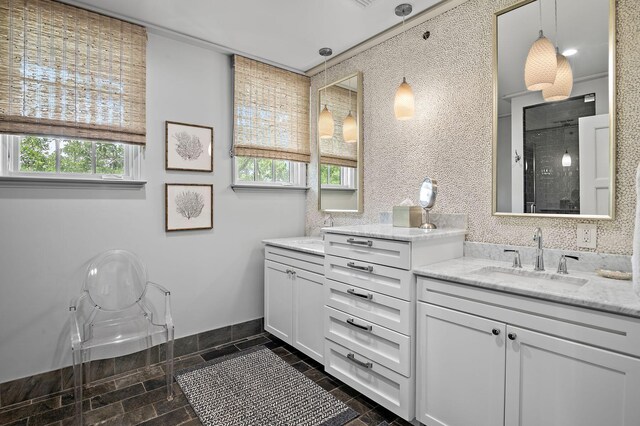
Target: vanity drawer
(377, 343)
(382, 279)
(387, 311)
(386, 387)
(296, 259)
(370, 250)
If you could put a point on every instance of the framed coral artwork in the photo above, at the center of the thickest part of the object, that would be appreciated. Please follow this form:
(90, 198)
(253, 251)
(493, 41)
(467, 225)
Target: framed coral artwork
(188, 147)
(188, 206)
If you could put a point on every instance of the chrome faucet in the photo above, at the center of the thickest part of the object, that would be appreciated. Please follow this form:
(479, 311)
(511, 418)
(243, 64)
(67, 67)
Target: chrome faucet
(562, 264)
(537, 237)
(516, 258)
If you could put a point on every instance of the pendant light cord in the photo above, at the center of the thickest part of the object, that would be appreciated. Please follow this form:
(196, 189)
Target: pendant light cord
(325, 81)
(404, 41)
(556, 12)
(540, 13)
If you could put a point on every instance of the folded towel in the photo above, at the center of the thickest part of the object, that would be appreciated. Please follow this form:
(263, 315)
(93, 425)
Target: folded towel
(635, 260)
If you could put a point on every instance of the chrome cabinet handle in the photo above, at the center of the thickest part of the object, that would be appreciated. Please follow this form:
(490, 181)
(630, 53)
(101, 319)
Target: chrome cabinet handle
(352, 322)
(364, 296)
(360, 242)
(496, 331)
(368, 268)
(512, 336)
(351, 357)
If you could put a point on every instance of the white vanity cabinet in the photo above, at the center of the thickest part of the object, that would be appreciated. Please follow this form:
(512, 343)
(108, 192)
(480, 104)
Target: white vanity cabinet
(491, 358)
(294, 299)
(369, 317)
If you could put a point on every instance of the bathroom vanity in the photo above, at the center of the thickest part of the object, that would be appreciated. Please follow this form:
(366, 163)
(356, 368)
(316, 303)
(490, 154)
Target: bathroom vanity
(498, 345)
(402, 317)
(293, 293)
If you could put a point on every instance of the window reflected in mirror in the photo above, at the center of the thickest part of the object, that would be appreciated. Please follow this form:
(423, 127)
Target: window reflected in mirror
(339, 156)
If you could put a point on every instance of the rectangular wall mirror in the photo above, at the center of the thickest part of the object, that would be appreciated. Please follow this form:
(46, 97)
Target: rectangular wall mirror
(554, 149)
(340, 175)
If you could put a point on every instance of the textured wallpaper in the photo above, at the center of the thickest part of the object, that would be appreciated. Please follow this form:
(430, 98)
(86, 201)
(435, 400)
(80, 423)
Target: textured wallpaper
(450, 137)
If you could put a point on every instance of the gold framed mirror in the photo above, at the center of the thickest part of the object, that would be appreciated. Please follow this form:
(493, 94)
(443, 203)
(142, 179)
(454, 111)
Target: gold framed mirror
(340, 174)
(554, 150)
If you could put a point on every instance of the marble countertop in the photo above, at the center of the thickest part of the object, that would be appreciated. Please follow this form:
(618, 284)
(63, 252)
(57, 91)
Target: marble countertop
(391, 232)
(597, 293)
(312, 245)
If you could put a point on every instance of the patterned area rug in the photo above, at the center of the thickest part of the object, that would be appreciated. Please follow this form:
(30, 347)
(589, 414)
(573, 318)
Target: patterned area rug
(256, 387)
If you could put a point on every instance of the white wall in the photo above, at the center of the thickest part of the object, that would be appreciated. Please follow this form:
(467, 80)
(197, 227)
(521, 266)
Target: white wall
(505, 164)
(47, 235)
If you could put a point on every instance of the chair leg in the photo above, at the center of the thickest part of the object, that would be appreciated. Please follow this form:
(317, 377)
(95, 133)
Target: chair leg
(77, 379)
(169, 367)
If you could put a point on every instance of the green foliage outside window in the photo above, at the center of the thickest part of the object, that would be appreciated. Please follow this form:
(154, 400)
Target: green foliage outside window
(75, 157)
(39, 154)
(110, 158)
(262, 170)
(330, 174)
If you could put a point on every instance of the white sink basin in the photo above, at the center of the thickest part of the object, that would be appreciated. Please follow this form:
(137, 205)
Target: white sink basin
(531, 279)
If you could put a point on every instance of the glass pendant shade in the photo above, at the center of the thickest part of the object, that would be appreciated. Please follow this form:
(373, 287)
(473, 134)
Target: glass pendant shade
(349, 128)
(541, 66)
(561, 88)
(566, 159)
(325, 124)
(404, 104)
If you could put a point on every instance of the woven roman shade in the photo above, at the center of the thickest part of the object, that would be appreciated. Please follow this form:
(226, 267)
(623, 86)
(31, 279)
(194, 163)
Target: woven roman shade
(270, 112)
(336, 151)
(65, 71)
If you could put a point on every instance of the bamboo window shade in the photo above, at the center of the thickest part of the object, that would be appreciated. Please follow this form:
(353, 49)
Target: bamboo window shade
(336, 151)
(271, 112)
(69, 72)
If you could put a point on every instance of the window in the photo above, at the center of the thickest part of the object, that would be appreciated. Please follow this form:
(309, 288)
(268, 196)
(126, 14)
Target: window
(269, 172)
(40, 156)
(78, 77)
(270, 125)
(337, 177)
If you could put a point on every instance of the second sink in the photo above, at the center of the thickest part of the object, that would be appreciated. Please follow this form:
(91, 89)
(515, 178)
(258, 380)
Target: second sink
(522, 277)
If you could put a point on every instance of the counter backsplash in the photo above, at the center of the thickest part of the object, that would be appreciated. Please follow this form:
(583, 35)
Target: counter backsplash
(588, 262)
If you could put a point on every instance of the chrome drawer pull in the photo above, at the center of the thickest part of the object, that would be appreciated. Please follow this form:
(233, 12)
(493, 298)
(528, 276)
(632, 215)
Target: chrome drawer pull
(351, 321)
(353, 359)
(364, 296)
(360, 268)
(360, 242)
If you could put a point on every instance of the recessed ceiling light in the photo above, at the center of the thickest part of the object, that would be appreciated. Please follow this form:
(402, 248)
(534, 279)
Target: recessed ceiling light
(570, 52)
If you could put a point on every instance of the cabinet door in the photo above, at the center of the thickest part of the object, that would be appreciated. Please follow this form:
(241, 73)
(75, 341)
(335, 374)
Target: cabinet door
(278, 301)
(556, 382)
(460, 368)
(308, 313)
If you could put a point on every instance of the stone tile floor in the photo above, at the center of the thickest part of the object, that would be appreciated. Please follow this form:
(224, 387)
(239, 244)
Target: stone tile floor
(139, 398)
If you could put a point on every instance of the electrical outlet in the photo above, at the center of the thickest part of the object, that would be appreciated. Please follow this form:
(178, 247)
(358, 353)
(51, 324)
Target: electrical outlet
(587, 236)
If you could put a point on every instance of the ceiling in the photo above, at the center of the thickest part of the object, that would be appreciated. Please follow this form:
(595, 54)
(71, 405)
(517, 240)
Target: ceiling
(582, 25)
(284, 32)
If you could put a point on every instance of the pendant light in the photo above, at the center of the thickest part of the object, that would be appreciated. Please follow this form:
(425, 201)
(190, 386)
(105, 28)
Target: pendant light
(349, 125)
(325, 121)
(561, 88)
(404, 103)
(566, 159)
(542, 64)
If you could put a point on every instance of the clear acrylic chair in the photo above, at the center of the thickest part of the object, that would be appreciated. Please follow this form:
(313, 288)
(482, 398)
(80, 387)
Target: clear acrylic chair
(115, 313)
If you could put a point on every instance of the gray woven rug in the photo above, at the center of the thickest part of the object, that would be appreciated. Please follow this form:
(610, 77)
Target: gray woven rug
(256, 387)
